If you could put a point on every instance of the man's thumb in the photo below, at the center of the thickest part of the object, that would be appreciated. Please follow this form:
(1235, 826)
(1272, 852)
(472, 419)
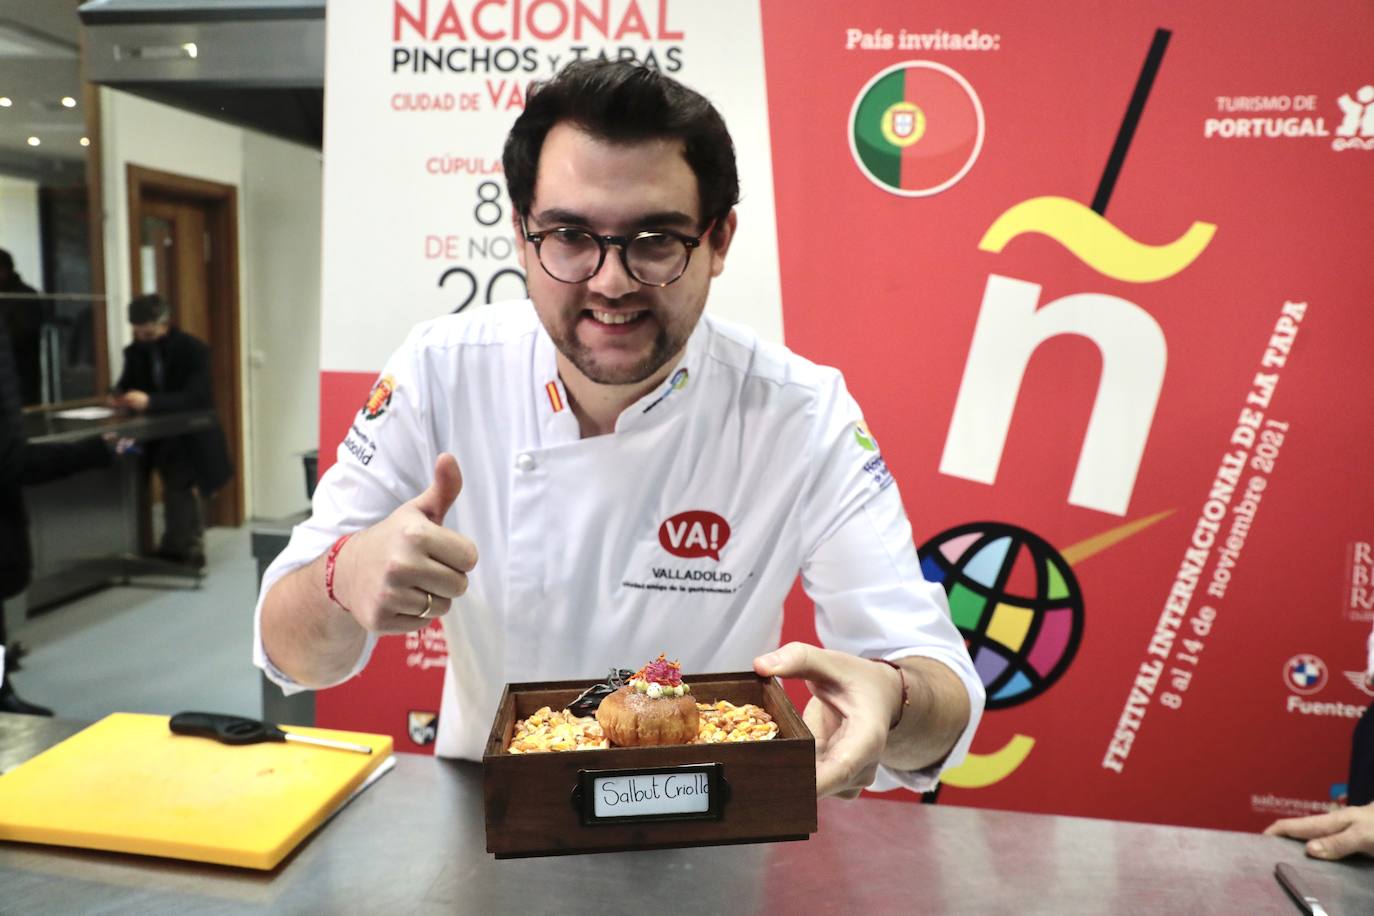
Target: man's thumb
(443, 490)
(792, 660)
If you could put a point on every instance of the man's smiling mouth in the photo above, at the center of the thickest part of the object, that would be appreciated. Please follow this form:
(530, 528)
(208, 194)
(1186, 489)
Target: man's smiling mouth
(616, 318)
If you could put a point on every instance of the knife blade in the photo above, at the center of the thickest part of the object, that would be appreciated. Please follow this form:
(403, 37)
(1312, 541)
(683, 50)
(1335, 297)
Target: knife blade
(1298, 889)
(237, 730)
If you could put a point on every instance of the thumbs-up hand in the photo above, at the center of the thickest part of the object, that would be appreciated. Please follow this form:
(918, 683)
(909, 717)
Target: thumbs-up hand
(435, 502)
(405, 570)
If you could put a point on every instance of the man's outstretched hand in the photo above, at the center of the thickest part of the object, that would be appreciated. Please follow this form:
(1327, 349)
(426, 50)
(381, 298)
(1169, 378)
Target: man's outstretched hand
(858, 717)
(853, 704)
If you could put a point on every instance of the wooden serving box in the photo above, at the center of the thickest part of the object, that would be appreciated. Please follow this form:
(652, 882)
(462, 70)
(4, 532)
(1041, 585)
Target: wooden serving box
(555, 803)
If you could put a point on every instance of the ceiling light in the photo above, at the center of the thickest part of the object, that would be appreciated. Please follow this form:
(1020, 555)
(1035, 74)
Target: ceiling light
(85, 141)
(34, 141)
(68, 102)
(5, 101)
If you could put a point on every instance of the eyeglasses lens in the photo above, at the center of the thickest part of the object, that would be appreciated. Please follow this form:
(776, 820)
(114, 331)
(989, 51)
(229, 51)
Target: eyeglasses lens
(572, 255)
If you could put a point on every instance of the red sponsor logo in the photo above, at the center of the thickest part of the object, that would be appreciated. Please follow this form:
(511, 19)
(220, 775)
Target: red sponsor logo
(694, 534)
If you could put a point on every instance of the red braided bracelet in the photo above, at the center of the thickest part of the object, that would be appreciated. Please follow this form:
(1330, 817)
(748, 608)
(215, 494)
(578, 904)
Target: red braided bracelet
(333, 557)
(906, 699)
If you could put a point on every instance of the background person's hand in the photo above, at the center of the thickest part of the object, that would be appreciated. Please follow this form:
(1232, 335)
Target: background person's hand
(383, 573)
(1334, 835)
(132, 400)
(851, 710)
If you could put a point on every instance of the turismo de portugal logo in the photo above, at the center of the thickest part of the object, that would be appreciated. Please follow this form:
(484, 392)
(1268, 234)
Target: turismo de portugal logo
(916, 128)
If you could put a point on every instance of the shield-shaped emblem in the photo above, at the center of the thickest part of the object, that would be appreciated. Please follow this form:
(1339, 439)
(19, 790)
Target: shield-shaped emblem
(903, 123)
(422, 726)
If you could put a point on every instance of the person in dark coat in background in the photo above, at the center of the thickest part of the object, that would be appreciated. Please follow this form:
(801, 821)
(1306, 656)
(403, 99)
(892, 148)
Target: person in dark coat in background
(167, 370)
(23, 317)
(21, 464)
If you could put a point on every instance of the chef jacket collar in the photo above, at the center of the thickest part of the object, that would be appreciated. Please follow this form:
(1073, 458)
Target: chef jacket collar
(560, 425)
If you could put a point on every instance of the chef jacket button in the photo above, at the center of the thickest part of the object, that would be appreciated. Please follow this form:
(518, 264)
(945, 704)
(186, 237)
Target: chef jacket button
(526, 462)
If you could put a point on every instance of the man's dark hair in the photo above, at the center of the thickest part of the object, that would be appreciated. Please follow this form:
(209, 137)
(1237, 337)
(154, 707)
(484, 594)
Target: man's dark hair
(624, 102)
(149, 309)
(6, 261)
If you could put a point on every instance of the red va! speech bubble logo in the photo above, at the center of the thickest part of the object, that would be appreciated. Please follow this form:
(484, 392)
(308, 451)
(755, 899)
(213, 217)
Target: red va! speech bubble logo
(694, 534)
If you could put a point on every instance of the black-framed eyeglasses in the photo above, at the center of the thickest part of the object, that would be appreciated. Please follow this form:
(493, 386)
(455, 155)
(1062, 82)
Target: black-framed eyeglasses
(573, 255)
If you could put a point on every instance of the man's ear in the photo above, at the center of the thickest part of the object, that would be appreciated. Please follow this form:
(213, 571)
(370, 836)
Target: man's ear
(722, 234)
(519, 240)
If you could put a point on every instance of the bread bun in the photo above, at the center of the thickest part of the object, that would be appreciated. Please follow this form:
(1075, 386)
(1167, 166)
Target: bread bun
(632, 719)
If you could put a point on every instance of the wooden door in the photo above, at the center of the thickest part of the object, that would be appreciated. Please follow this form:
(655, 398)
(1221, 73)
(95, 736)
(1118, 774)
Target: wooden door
(175, 232)
(185, 249)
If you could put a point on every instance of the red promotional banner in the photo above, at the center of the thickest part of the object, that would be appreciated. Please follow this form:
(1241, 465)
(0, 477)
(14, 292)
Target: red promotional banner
(1099, 278)
(1108, 331)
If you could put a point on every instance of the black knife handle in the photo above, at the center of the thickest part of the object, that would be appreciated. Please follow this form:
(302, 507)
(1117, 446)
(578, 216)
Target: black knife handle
(225, 729)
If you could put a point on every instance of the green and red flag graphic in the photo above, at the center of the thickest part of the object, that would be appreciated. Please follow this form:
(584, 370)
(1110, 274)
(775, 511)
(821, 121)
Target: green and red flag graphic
(916, 128)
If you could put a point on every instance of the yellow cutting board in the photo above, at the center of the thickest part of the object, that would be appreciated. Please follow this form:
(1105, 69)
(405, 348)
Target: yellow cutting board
(128, 784)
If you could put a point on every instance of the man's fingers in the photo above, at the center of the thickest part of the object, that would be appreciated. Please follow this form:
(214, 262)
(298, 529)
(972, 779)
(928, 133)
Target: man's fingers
(796, 659)
(841, 770)
(831, 776)
(849, 758)
(822, 721)
(442, 491)
(450, 548)
(439, 580)
(1311, 827)
(404, 623)
(431, 605)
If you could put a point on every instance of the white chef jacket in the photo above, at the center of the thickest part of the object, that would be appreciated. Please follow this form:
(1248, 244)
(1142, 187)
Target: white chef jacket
(681, 532)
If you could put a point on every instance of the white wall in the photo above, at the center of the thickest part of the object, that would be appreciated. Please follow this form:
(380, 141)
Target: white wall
(19, 232)
(281, 248)
(279, 225)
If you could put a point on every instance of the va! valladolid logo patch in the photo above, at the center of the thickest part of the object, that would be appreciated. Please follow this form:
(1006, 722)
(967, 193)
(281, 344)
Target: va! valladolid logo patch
(916, 128)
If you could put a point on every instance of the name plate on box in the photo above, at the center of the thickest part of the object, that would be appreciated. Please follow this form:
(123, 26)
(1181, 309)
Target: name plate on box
(684, 793)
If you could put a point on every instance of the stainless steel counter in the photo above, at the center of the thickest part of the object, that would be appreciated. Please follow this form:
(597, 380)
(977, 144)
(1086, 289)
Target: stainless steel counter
(415, 842)
(85, 529)
(47, 426)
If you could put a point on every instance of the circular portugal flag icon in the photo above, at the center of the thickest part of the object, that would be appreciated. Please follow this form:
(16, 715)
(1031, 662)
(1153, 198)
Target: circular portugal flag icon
(916, 128)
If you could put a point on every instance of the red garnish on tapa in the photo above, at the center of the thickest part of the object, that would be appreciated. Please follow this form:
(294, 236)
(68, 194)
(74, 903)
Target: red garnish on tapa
(661, 671)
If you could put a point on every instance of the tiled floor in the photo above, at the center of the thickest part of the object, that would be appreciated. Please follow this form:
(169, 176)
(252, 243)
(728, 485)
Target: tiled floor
(149, 649)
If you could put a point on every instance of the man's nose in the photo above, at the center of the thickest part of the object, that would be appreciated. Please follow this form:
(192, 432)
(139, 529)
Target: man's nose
(613, 281)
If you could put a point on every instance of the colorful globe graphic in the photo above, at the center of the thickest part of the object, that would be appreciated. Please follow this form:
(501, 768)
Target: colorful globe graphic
(1015, 600)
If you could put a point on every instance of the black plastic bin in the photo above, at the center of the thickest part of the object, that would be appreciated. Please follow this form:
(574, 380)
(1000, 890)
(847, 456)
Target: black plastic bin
(311, 460)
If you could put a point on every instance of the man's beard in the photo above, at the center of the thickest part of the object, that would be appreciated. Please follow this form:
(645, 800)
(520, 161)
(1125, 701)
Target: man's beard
(666, 345)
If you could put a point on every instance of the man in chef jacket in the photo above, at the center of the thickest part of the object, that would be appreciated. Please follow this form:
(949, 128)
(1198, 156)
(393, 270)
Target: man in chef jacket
(636, 477)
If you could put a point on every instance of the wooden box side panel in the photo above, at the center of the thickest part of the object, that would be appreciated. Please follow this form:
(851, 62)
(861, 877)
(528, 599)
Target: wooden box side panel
(778, 704)
(503, 725)
(530, 808)
(529, 797)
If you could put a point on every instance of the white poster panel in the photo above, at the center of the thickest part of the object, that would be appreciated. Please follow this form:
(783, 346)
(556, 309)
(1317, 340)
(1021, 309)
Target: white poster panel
(419, 97)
